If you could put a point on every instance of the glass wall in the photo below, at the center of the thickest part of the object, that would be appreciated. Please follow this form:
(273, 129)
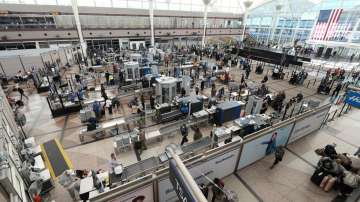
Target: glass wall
(279, 22)
(227, 6)
(111, 22)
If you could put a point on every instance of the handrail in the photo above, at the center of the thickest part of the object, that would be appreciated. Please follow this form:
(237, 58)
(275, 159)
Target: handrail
(125, 188)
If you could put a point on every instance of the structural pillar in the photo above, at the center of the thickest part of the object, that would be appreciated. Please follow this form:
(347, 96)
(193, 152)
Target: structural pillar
(151, 15)
(244, 21)
(74, 5)
(295, 31)
(274, 22)
(206, 2)
(247, 5)
(352, 32)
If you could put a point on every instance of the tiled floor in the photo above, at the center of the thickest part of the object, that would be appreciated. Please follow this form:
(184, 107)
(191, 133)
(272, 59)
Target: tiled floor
(290, 179)
(95, 155)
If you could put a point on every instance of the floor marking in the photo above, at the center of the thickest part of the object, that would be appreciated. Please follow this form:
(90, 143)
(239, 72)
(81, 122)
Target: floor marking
(35, 120)
(63, 129)
(248, 187)
(300, 157)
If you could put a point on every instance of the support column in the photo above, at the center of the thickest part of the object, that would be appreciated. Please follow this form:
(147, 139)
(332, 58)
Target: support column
(244, 26)
(247, 5)
(352, 32)
(259, 29)
(274, 22)
(295, 31)
(205, 24)
(78, 27)
(151, 15)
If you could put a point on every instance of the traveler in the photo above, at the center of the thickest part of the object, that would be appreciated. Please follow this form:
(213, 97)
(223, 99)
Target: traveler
(205, 190)
(337, 90)
(202, 85)
(265, 79)
(22, 94)
(279, 154)
(197, 90)
(197, 134)
(184, 133)
(216, 189)
(107, 77)
(103, 92)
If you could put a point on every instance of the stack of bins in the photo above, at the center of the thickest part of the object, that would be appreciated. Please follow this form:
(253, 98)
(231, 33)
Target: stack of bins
(227, 111)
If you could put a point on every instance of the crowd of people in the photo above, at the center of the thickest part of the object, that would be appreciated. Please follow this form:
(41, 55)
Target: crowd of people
(335, 170)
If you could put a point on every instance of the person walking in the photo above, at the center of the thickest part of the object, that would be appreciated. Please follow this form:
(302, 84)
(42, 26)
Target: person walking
(22, 94)
(184, 133)
(103, 92)
(197, 134)
(279, 154)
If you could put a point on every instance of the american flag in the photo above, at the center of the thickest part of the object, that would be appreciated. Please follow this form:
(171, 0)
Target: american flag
(327, 24)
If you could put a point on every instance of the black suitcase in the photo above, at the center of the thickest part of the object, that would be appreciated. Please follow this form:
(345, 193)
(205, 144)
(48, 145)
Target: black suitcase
(317, 177)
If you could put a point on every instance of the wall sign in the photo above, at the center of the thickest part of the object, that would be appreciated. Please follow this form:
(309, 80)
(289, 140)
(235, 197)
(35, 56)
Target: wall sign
(353, 98)
(180, 185)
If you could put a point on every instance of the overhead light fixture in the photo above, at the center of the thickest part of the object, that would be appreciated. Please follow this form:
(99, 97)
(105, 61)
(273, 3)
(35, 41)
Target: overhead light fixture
(206, 2)
(248, 3)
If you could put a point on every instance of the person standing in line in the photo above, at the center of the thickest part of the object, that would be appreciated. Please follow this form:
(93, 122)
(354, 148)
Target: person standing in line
(279, 154)
(197, 134)
(22, 94)
(247, 72)
(107, 77)
(202, 85)
(197, 90)
(337, 90)
(137, 149)
(184, 134)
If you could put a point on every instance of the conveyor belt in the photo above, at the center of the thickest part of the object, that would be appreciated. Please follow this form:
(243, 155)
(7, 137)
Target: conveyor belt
(55, 158)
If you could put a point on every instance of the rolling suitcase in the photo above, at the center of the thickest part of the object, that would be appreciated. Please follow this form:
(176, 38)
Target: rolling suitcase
(317, 177)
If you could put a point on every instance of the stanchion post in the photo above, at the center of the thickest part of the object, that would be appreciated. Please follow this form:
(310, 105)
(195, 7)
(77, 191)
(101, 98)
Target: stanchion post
(332, 118)
(325, 120)
(342, 108)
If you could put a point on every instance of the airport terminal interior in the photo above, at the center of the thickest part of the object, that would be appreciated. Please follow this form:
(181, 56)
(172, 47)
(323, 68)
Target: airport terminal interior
(180, 100)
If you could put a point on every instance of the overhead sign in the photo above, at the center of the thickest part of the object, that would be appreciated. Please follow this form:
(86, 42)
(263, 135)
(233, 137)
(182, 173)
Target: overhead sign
(181, 187)
(353, 98)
